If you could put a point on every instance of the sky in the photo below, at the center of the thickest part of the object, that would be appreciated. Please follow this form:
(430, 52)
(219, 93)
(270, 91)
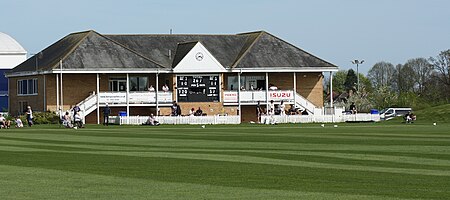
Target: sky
(337, 31)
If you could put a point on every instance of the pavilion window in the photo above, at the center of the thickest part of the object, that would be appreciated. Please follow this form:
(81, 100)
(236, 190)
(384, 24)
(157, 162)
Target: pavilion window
(138, 83)
(27, 87)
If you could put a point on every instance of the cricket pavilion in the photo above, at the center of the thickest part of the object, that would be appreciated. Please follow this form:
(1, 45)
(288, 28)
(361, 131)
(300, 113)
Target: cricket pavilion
(224, 75)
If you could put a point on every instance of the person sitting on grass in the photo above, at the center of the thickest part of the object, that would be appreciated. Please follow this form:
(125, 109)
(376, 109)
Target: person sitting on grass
(19, 123)
(78, 122)
(409, 117)
(67, 121)
(151, 121)
(4, 123)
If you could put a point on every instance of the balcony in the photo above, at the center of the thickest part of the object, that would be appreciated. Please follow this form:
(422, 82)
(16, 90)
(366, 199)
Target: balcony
(144, 97)
(231, 97)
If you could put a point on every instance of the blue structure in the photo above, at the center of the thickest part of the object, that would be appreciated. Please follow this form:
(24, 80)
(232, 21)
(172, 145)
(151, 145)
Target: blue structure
(11, 54)
(3, 91)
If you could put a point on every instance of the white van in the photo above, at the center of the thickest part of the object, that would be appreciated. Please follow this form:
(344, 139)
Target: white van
(389, 113)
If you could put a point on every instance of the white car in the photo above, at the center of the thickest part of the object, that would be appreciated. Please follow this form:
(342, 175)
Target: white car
(389, 113)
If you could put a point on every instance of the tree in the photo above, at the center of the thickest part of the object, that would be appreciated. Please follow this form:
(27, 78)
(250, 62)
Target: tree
(422, 72)
(382, 97)
(339, 80)
(381, 74)
(365, 84)
(350, 81)
(403, 79)
(442, 65)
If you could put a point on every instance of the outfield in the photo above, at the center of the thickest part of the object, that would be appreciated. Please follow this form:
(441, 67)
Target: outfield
(296, 161)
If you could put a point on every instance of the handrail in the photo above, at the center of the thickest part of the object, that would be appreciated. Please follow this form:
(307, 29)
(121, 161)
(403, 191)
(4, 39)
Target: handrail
(87, 99)
(305, 103)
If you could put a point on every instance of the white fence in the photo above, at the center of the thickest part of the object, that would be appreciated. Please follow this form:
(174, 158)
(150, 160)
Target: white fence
(216, 119)
(362, 117)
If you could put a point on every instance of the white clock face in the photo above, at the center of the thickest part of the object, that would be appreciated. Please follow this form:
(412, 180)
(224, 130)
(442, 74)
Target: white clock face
(199, 56)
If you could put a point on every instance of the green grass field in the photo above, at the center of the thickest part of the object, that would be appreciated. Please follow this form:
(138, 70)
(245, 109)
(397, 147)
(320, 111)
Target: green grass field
(296, 161)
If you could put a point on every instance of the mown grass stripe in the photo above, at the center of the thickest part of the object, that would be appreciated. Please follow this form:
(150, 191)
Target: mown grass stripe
(370, 160)
(236, 174)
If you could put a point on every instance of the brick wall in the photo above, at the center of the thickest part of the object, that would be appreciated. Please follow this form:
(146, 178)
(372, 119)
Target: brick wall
(310, 86)
(284, 81)
(210, 108)
(35, 101)
(249, 114)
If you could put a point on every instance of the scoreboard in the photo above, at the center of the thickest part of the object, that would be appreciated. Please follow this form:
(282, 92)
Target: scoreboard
(198, 88)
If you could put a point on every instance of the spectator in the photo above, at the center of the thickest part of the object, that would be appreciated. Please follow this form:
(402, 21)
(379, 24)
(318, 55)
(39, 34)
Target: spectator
(76, 109)
(165, 88)
(78, 121)
(178, 110)
(29, 116)
(271, 106)
(409, 117)
(106, 113)
(258, 111)
(19, 123)
(282, 108)
(353, 108)
(67, 121)
(174, 108)
(272, 87)
(3, 122)
(291, 110)
(151, 121)
(151, 88)
(304, 112)
(199, 112)
(192, 112)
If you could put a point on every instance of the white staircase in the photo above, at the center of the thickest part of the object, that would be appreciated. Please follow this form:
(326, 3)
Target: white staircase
(88, 105)
(307, 105)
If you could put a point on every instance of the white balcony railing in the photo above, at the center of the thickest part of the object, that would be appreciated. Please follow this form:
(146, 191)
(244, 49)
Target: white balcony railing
(134, 97)
(258, 95)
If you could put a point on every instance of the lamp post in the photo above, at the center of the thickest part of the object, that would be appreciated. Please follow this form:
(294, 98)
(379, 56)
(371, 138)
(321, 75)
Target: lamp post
(357, 63)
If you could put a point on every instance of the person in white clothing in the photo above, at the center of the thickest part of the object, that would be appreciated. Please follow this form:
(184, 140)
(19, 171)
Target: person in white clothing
(282, 108)
(151, 88)
(19, 123)
(3, 122)
(29, 116)
(165, 88)
(273, 87)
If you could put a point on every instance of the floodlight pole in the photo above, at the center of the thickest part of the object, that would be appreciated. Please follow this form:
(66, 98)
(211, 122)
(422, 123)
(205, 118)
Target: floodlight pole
(357, 63)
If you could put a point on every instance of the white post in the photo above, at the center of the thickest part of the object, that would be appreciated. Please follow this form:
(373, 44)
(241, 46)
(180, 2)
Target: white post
(267, 92)
(128, 100)
(239, 94)
(45, 103)
(295, 89)
(57, 95)
(157, 89)
(61, 82)
(98, 95)
(331, 89)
